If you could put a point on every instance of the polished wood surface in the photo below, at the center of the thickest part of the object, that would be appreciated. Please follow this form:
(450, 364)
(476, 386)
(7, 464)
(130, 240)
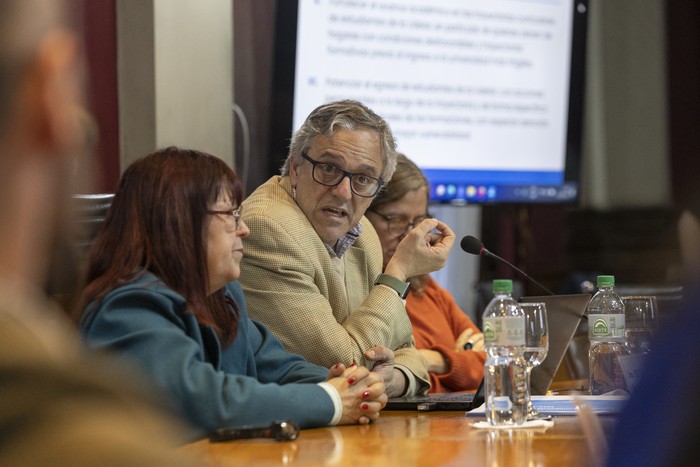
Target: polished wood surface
(414, 439)
(569, 386)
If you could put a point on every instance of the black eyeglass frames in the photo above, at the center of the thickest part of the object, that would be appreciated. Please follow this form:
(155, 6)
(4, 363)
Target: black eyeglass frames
(329, 175)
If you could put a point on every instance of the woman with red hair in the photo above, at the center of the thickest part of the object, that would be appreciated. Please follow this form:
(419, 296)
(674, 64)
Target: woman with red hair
(162, 293)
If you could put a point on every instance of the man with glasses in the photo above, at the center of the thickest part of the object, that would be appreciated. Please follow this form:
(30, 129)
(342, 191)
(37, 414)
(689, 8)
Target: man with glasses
(312, 271)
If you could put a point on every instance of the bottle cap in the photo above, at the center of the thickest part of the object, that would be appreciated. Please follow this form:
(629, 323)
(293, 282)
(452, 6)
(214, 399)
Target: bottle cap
(501, 286)
(606, 281)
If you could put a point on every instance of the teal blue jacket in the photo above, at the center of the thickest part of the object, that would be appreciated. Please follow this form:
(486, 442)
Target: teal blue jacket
(254, 381)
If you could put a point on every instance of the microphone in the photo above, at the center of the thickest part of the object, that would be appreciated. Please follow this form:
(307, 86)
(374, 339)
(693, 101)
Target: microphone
(473, 245)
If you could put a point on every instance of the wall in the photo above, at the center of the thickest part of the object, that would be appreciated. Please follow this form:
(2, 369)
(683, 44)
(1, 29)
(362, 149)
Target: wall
(626, 149)
(175, 65)
(100, 33)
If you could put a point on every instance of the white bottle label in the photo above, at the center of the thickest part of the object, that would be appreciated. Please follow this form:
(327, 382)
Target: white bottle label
(504, 331)
(606, 326)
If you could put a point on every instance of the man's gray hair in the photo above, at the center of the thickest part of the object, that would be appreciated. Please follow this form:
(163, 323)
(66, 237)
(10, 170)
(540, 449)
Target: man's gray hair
(348, 115)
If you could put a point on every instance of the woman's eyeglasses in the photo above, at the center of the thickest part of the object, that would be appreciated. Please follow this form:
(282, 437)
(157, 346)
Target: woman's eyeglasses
(399, 225)
(232, 216)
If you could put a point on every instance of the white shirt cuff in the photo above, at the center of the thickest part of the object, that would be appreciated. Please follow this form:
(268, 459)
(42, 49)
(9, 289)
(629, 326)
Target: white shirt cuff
(337, 402)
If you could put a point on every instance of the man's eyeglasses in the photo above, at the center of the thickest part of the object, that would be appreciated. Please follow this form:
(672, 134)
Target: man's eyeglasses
(399, 225)
(330, 175)
(233, 216)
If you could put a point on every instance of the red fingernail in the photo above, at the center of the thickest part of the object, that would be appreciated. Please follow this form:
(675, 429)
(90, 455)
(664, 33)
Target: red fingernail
(336, 366)
(364, 406)
(351, 380)
(353, 364)
(365, 394)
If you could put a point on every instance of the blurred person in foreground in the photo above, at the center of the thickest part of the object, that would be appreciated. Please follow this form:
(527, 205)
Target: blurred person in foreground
(441, 329)
(162, 294)
(313, 272)
(58, 406)
(658, 425)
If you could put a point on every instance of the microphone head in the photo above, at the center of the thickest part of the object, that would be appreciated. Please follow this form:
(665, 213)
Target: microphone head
(472, 245)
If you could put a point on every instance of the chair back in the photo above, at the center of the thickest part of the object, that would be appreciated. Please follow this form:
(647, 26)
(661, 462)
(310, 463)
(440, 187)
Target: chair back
(90, 211)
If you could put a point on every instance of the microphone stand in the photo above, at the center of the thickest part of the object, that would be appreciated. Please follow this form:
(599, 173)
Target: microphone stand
(486, 252)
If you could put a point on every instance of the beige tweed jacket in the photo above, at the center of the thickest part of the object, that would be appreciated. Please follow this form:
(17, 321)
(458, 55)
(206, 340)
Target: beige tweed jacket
(292, 286)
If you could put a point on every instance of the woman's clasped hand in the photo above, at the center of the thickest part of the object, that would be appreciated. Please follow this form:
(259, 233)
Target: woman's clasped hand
(362, 392)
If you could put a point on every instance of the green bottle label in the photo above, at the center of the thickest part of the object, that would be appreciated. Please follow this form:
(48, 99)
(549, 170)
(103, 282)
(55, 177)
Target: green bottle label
(504, 331)
(606, 326)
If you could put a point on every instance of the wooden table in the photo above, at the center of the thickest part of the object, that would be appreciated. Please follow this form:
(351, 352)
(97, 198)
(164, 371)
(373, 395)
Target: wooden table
(413, 439)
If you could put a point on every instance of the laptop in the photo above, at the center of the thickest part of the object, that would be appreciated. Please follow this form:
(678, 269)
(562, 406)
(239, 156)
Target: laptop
(443, 401)
(564, 313)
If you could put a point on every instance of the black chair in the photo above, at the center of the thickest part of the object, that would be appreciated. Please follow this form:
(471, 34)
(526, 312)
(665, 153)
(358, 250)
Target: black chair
(67, 265)
(90, 213)
(668, 296)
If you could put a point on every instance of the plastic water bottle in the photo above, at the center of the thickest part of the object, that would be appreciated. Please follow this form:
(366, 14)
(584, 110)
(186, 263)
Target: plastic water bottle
(505, 369)
(606, 334)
